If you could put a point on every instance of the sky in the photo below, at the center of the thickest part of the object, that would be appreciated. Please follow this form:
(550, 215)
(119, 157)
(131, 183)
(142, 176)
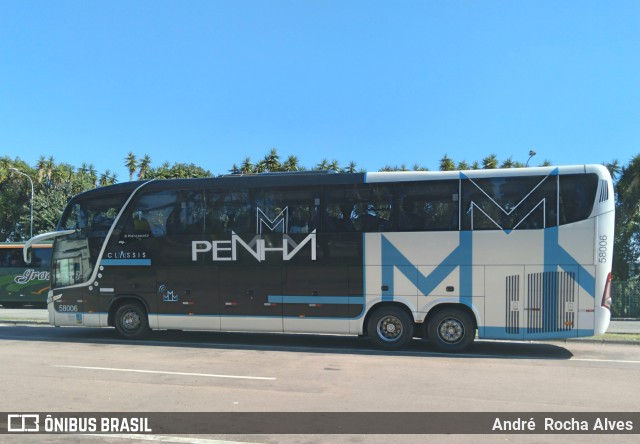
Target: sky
(375, 82)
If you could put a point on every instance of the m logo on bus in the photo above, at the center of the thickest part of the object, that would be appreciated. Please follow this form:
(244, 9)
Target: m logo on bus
(227, 250)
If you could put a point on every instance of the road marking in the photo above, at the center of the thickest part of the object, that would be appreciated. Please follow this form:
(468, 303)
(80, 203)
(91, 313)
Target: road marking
(617, 361)
(165, 438)
(132, 370)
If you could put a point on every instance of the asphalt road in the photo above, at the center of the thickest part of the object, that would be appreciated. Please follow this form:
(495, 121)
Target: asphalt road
(89, 370)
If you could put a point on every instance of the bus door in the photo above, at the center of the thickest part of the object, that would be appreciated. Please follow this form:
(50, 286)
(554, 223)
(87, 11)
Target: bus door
(247, 298)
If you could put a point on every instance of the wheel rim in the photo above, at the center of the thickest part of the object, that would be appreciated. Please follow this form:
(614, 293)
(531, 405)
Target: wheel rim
(131, 320)
(389, 328)
(451, 330)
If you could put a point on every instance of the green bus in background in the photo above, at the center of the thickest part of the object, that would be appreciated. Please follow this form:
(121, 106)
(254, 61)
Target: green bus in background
(22, 284)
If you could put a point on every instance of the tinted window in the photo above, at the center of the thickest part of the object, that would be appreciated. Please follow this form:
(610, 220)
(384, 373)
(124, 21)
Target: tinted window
(228, 210)
(358, 208)
(508, 203)
(577, 196)
(287, 210)
(96, 214)
(40, 257)
(161, 213)
(11, 257)
(428, 206)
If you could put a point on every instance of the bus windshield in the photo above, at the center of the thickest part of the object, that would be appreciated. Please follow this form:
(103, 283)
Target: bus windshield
(76, 254)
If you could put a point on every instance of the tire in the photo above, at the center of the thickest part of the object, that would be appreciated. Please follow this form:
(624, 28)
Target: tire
(12, 304)
(451, 330)
(131, 321)
(390, 328)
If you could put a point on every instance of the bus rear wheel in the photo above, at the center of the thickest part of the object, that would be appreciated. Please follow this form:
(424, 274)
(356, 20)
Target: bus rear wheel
(390, 328)
(451, 329)
(131, 321)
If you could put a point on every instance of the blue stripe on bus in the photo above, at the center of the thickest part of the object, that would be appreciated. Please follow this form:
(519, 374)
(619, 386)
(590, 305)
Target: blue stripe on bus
(126, 262)
(340, 300)
(500, 333)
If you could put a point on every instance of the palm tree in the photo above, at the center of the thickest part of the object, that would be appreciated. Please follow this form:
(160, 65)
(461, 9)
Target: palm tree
(93, 174)
(508, 163)
(334, 166)
(490, 162)
(104, 178)
(323, 165)
(132, 164)
(463, 165)
(446, 164)
(272, 160)
(50, 165)
(41, 167)
(614, 168)
(260, 167)
(144, 165)
(291, 164)
(246, 167)
(351, 168)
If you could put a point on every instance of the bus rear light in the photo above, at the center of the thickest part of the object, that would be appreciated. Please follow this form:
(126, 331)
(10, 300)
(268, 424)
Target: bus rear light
(606, 296)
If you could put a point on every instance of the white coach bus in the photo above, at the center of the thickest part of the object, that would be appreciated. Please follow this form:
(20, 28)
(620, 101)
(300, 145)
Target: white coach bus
(518, 254)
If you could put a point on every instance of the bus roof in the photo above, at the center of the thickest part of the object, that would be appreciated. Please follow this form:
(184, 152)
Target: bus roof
(311, 178)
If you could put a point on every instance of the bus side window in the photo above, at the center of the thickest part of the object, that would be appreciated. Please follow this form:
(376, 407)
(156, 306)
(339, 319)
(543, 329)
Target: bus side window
(366, 208)
(428, 206)
(577, 196)
(151, 214)
(227, 211)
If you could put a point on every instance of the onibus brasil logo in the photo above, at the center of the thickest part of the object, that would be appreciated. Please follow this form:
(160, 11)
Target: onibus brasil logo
(227, 250)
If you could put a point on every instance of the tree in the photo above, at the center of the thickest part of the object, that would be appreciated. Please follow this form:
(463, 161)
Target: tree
(107, 178)
(291, 164)
(144, 165)
(626, 248)
(323, 165)
(463, 165)
(272, 161)
(446, 164)
(132, 164)
(508, 163)
(178, 171)
(246, 167)
(351, 168)
(490, 162)
(614, 168)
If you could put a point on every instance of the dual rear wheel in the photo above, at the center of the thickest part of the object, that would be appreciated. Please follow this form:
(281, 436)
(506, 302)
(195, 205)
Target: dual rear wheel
(449, 329)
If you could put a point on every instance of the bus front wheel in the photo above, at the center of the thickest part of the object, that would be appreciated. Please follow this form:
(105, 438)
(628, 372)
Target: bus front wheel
(390, 328)
(451, 329)
(131, 321)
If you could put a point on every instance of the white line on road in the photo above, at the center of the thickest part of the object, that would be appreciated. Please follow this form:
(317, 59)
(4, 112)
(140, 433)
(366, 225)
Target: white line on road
(164, 438)
(617, 361)
(132, 370)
